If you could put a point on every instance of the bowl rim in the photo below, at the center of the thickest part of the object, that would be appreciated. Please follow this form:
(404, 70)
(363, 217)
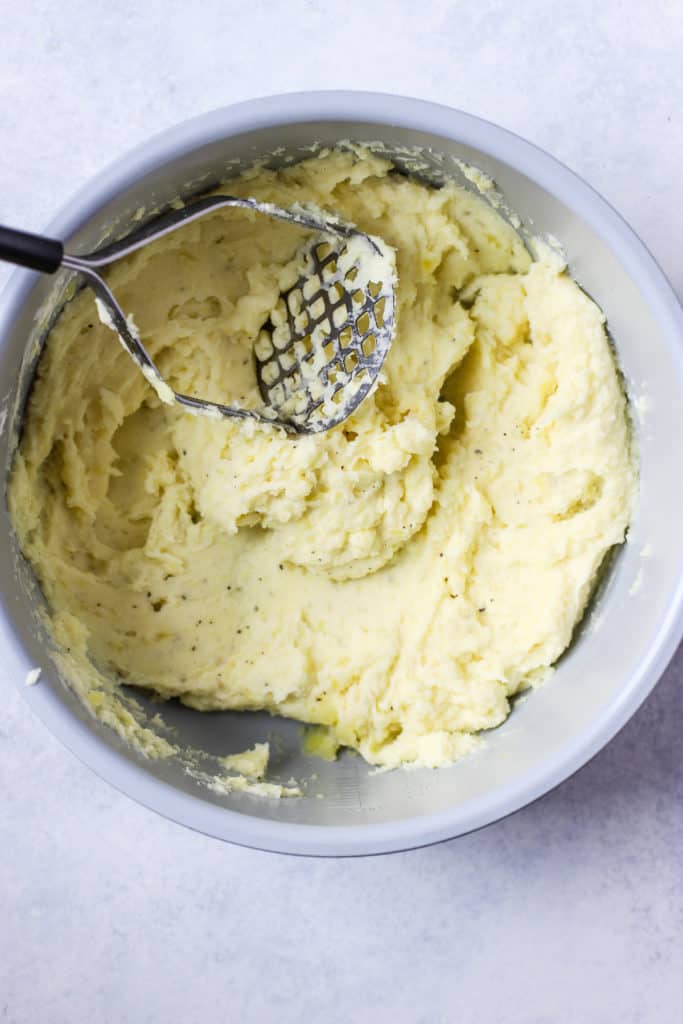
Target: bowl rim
(530, 160)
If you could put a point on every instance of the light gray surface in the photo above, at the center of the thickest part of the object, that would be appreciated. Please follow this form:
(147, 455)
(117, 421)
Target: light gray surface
(570, 911)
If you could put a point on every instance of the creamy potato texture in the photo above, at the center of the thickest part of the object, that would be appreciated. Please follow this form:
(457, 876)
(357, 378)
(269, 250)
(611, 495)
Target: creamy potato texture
(396, 579)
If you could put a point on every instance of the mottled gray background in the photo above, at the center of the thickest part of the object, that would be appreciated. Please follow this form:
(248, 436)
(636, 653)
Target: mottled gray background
(569, 912)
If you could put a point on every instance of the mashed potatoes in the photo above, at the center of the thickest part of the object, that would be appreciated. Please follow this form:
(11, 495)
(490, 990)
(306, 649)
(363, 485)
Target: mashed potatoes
(396, 579)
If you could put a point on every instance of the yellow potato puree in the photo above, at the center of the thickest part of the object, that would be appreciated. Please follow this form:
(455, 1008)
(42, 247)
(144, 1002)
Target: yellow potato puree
(396, 579)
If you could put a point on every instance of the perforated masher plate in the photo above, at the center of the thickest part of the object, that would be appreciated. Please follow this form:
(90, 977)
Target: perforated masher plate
(326, 341)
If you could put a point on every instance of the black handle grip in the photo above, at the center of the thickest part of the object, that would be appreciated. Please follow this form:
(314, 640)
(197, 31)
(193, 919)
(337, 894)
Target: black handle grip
(32, 251)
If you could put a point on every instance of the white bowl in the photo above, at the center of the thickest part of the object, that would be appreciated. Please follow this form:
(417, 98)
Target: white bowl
(637, 620)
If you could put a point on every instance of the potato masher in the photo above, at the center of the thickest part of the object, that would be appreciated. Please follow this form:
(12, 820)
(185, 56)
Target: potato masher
(321, 350)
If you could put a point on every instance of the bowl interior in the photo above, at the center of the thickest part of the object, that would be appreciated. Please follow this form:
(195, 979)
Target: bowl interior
(614, 646)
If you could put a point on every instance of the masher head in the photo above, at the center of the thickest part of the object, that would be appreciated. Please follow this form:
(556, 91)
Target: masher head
(325, 343)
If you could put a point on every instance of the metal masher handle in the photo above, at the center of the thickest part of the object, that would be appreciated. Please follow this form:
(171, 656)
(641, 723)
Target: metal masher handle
(47, 255)
(33, 251)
